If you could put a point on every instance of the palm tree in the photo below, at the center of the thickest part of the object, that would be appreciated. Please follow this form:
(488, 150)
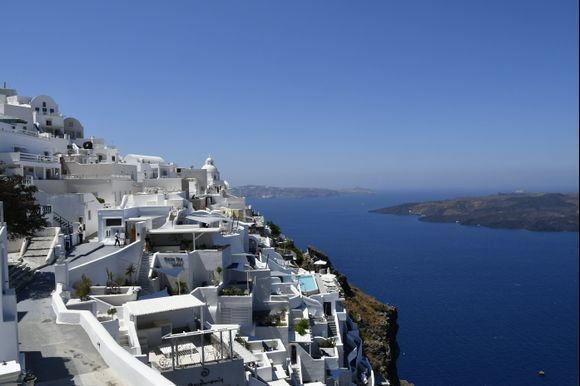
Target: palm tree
(130, 271)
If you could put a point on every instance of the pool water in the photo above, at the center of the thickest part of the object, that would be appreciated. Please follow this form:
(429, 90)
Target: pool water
(307, 283)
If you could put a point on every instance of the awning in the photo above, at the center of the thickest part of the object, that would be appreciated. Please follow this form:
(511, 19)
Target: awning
(205, 219)
(163, 304)
(177, 229)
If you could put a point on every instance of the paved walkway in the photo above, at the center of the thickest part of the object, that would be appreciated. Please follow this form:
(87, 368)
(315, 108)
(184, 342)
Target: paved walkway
(57, 354)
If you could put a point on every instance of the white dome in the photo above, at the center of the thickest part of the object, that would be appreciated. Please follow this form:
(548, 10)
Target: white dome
(209, 164)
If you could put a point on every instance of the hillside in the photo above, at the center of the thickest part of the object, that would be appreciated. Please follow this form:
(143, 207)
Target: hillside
(262, 191)
(542, 212)
(377, 321)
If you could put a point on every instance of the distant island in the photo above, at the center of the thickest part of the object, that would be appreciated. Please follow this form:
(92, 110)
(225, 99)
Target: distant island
(541, 212)
(261, 191)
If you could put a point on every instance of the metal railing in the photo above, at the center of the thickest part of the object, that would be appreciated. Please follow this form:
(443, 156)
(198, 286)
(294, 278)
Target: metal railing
(65, 225)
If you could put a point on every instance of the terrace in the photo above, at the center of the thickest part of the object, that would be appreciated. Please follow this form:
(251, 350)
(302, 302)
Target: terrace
(186, 349)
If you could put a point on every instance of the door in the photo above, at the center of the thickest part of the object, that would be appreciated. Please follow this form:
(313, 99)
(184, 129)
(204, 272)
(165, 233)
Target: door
(133, 233)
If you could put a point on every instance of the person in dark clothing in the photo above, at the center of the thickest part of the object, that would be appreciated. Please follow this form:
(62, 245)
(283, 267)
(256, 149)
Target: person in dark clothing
(117, 239)
(80, 231)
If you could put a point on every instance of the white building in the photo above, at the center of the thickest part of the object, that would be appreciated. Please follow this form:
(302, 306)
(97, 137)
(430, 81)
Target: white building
(10, 366)
(194, 292)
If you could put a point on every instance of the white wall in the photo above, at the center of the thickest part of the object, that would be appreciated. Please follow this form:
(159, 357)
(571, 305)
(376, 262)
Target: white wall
(110, 190)
(8, 314)
(129, 368)
(101, 170)
(164, 184)
(73, 206)
(117, 262)
(33, 144)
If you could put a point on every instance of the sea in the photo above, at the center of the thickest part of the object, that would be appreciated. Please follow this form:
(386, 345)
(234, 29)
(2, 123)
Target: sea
(477, 306)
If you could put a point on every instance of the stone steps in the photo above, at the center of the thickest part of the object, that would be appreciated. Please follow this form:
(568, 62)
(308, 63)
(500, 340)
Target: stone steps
(143, 279)
(332, 329)
(38, 247)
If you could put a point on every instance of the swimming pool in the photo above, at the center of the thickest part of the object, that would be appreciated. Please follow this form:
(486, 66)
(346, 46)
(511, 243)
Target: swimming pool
(307, 283)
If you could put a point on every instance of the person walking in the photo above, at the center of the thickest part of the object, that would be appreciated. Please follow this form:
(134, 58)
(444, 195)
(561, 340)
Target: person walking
(80, 232)
(117, 239)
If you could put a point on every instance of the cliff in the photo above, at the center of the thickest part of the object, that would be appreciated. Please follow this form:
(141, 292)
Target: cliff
(377, 321)
(543, 212)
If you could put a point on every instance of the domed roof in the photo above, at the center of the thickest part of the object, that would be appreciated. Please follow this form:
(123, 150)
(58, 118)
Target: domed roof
(209, 164)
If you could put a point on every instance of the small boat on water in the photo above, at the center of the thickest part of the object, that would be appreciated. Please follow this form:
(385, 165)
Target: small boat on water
(541, 373)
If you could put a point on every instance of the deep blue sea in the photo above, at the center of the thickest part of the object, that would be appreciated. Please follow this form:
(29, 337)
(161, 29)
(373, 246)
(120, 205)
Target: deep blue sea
(477, 306)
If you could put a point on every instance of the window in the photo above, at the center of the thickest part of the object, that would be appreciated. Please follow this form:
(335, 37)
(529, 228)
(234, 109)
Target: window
(43, 104)
(52, 111)
(37, 109)
(89, 215)
(44, 109)
(110, 222)
(48, 122)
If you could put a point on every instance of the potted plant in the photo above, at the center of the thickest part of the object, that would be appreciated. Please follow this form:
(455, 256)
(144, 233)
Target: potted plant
(112, 312)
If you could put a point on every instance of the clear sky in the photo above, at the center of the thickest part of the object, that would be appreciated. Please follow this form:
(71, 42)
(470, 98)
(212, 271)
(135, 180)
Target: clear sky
(381, 94)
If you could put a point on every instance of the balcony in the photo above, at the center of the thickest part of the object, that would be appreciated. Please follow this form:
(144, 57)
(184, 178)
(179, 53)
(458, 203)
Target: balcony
(182, 350)
(17, 158)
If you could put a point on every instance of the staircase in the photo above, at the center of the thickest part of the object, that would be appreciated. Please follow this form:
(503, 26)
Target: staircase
(66, 226)
(38, 250)
(296, 374)
(143, 279)
(332, 332)
(123, 337)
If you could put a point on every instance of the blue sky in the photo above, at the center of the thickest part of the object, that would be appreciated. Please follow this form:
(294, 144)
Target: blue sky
(382, 94)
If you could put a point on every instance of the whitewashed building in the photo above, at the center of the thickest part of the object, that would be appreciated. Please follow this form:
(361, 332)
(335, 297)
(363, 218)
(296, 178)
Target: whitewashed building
(10, 361)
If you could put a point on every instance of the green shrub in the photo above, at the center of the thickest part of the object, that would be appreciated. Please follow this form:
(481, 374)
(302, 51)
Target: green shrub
(84, 287)
(302, 326)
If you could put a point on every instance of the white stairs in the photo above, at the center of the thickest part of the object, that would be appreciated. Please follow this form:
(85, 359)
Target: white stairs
(143, 279)
(37, 251)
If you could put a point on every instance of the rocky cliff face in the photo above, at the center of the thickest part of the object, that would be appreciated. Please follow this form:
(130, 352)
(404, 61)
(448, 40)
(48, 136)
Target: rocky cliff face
(377, 321)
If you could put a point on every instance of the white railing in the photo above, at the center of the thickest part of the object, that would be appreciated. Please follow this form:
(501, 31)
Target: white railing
(96, 176)
(37, 157)
(20, 131)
